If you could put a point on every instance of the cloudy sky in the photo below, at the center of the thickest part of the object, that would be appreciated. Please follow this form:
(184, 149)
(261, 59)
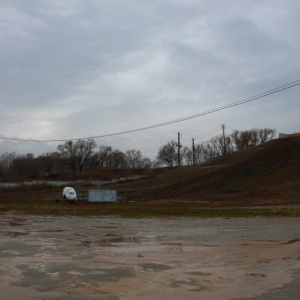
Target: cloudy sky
(80, 68)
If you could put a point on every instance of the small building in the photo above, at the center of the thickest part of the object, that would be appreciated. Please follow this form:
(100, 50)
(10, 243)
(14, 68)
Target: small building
(97, 196)
(285, 135)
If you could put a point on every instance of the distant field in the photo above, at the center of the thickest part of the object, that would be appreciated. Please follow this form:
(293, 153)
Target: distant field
(266, 178)
(41, 201)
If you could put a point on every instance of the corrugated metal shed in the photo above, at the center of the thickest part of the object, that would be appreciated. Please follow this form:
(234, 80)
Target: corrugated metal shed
(97, 196)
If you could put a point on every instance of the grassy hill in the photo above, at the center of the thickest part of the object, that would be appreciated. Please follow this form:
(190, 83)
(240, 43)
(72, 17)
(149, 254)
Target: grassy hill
(267, 174)
(226, 187)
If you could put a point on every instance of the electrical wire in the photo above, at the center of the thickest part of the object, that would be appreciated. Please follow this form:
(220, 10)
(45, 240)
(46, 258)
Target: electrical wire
(250, 99)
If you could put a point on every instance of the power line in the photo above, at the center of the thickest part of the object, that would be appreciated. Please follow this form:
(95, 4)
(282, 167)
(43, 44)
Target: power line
(253, 98)
(200, 134)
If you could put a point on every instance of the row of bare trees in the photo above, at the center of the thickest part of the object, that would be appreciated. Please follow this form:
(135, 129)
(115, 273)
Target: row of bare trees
(215, 147)
(72, 156)
(84, 155)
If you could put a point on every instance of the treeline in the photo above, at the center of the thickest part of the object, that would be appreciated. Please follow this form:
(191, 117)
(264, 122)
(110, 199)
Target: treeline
(85, 155)
(215, 147)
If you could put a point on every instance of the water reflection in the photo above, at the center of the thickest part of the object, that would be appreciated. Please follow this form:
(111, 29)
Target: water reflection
(55, 183)
(111, 240)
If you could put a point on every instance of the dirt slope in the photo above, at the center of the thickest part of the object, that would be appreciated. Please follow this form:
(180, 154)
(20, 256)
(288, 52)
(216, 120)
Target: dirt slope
(266, 174)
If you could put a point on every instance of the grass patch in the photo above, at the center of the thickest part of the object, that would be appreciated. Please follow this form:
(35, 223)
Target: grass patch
(40, 200)
(141, 210)
(24, 188)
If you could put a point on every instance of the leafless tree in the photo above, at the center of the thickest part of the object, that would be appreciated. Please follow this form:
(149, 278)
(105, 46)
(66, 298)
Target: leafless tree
(6, 161)
(68, 152)
(266, 134)
(76, 154)
(146, 163)
(118, 159)
(209, 151)
(25, 166)
(251, 138)
(217, 144)
(199, 153)
(85, 150)
(48, 161)
(241, 139)
(134, 158)
(167, 154)
(187, 155)
(80, 155)
(101, 158)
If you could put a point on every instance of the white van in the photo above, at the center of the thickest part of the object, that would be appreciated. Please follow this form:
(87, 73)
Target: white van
(69, 194)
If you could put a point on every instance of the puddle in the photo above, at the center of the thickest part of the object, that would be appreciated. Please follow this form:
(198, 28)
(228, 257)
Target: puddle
(154, 267)
(16, 234)
(113, 258)
(109, 240)
(18, 222)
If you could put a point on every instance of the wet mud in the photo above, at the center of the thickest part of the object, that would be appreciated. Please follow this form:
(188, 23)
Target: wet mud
(54, 258)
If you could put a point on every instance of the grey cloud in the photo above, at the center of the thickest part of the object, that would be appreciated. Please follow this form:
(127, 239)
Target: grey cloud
(126, 64)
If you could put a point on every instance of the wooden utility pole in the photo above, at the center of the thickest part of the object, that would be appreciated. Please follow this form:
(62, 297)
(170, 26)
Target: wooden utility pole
(110, 158)
(193, 147)
(224, 141)
(178, 149)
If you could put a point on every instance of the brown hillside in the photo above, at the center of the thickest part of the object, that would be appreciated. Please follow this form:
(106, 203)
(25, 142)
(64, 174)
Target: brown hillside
(267, 174)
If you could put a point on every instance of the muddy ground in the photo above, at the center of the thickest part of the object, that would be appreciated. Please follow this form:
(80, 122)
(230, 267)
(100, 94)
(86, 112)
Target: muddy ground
(64, 258)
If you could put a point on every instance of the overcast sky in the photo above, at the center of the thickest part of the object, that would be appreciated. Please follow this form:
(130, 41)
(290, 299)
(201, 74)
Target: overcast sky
(78, 68)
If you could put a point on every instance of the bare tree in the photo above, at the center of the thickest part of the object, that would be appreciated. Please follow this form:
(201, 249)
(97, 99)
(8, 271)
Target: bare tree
(101, 158)
(68, 152)
(6, 161)
(167, 154)
(48, 161)
(156, 163)
(84, 152)
(217, 144)
(76, 154)
(209, 151)
(118, 159)
(242, 139)
(146, 163)
(254, 137)
(197, 157)
(198, 153)
(266, 134)
(187, 155)
(25, 166)
(134, 158)
(251, 138)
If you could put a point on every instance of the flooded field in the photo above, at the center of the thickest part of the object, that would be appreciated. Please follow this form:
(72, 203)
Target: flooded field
(56, 258)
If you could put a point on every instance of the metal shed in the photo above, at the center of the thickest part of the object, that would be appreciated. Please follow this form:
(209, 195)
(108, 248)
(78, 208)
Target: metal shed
(97, 196)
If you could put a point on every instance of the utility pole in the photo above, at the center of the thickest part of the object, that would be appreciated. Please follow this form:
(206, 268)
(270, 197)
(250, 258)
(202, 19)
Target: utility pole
(193, 147)
(224, 141)
(110, 158)
(178, 150)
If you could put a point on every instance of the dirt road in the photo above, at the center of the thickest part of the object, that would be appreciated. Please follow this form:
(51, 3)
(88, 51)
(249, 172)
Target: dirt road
(68, 258)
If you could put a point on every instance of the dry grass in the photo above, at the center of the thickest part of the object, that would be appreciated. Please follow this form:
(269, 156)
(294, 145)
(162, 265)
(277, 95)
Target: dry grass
(261, 176)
